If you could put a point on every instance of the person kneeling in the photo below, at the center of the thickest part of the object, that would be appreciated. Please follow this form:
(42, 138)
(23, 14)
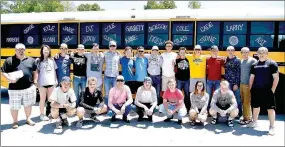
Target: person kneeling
(63, 102)
(88, 106)
(173, 101)
(199, 102)
(224, 103)
(146, 99)
(120, 100)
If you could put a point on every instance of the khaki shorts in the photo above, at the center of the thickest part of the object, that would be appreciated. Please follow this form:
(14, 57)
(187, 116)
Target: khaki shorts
(69, 112)
(164, 82)
(28, 96)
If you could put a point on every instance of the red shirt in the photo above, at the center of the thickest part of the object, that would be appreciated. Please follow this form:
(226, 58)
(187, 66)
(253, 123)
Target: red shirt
(214, 68)
(173, 97)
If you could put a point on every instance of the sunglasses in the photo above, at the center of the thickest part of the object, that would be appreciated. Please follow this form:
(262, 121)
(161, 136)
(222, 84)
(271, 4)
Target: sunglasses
(120, 80)
(199, 85)
(63, 48)
(112, 46)
(141, 51)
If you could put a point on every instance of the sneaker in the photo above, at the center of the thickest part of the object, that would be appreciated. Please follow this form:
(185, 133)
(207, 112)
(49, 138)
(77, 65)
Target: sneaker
(94, 118)
(149, 118)
(58, 125)
(113, 118)
(15, 125)
(140, 119)
(252, 124)
(230, 123)
(125, 119)
(44, 118)
(214, 121)
(65, 122)
(167, 120)
(30, 122)
(179, 121)
(192, 123)
(79, 124)
(271, 131)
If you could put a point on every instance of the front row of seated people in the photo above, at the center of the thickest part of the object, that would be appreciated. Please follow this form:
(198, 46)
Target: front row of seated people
(92, 104)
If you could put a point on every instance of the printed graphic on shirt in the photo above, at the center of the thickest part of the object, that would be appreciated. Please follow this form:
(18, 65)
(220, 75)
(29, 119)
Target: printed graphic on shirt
(46, 66)
(197, 61)
(224, 100)
(65, 66)
(95, 63)
(182, 65)
(153, 60)
(79, 61)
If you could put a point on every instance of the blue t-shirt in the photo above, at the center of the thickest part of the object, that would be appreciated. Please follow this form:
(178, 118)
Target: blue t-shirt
(141, 68)
(127, 68)
(63, 67)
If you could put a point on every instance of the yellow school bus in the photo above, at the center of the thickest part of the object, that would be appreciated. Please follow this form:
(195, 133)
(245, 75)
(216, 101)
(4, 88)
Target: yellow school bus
(185, 27)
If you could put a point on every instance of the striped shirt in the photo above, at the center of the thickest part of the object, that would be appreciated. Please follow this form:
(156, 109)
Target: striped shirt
(112, 64)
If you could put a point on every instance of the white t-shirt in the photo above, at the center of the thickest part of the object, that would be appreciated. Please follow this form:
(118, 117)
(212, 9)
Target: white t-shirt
(168, 63)
(47, 74)
(63, 98)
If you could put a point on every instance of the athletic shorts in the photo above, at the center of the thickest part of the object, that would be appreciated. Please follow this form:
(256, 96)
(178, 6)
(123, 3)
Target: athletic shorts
(262, 97)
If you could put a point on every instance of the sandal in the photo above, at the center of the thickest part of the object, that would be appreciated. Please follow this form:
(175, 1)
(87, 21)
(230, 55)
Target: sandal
(244, 122)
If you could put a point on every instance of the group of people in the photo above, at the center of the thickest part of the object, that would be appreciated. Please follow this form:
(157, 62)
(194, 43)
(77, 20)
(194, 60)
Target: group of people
(165, 83)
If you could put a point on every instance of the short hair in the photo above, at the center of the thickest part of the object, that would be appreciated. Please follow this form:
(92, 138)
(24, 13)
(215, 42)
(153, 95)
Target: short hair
(262, 50)
(91, 79)
(245, 49)
(168, 42)
(64, 44)
(127, 48)
(182, 48)
(225, 83)
(20, 45)
(170, 81)
(80, 46)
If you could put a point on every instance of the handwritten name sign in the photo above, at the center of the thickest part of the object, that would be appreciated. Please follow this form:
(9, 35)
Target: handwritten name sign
(261, 40)
(182, 28)
(69, 29)
(235, 27)
(158, 27)
(208, 27)
(49, 29)
(157, 39)
(50, 39)
(182, 40)
(134, 39)
(134, 28)
(111, 28)
(89, 28)
(208, 40)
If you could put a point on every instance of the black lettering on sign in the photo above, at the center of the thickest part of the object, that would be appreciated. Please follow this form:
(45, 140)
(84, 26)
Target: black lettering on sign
(29, 28)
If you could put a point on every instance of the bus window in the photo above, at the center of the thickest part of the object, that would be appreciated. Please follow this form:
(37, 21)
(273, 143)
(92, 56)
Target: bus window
(111, 31)
(134, 34)
(49, 34)
(157, 33)
(182, 33)
(208, 33)
(68, 33)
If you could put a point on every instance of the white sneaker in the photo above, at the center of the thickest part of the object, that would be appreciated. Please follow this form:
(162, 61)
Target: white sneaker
(271, 131)
(252, 124)
(44, 118)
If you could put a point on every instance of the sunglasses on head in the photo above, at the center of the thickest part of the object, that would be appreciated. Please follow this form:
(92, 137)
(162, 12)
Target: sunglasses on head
(63, 48)
(120, 80)
(112, 46)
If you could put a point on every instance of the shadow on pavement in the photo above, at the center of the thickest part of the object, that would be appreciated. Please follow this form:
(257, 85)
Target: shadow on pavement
(21, 123)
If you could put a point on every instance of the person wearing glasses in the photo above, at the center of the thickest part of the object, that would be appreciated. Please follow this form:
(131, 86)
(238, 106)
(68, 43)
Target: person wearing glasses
(95, 60)
(47, 80)
(173, 102)
(197, 67)
(63, 62)
(112, 60)
(146, 99)
(183, 75)
(21, 73)
(79, 71)
(264, 78)
(199, 103)
(245, 67)
(232, 74)
(141, 63)
(120, 100)
(224, 103)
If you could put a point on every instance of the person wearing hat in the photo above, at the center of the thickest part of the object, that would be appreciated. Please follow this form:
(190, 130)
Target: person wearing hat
(120, 100)
(112, 60)
(263, 81)
(214, 72)
(232, 74)
(63, 62)
(146, 99)
(140, 66)
(63, 102)
(95, 61)
(154, 70)
(197, 67)
(182, 75)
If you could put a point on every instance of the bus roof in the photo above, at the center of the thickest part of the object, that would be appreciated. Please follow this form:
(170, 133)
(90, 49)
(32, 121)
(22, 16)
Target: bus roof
(142, 15)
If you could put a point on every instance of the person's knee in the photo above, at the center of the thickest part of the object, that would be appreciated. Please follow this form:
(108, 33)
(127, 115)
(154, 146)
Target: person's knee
(213, 112)
(71, 112)
(192, 113)
(103, 109)
(54, 113)
(80, 112)
(234, 113)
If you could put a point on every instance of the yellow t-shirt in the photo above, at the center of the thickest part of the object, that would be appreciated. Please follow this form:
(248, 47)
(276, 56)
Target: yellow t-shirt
(197, 66)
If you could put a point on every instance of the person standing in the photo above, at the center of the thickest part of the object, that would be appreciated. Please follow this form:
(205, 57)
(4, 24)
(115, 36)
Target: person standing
(264, 78)
(63, 62)
(21, 73)
(141, 63)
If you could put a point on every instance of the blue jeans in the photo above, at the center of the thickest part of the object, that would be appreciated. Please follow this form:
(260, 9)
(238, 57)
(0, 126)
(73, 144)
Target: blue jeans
(79, 85)
(238, 98)
(117, 106)
(184, 85)
(156, 83)
(181, 112)
(109, 82)
(210, 85)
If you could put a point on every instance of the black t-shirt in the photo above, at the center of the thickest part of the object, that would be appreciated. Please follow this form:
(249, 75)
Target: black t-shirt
(183, 72)
(263, 73)
(79, 65)
(27, 65)
(88, 100)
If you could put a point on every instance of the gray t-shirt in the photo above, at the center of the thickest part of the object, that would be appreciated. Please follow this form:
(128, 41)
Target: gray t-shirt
(223, 100)
(199, 102)
(95, 66)
(154, 64)
(146, 96)
(47, 73)
(112, 63)
(245, 70)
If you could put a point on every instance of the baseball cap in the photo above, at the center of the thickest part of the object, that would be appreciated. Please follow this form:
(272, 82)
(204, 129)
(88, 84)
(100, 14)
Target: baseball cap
(120, 77)
(155, 48)
(66, 79)
(230, 48)
(198, 47)
(140, 48)
(147, 79)
(112, 43)
(80, 46)
(214, 47)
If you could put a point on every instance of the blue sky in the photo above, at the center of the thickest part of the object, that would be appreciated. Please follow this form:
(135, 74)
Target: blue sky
(139, 5)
